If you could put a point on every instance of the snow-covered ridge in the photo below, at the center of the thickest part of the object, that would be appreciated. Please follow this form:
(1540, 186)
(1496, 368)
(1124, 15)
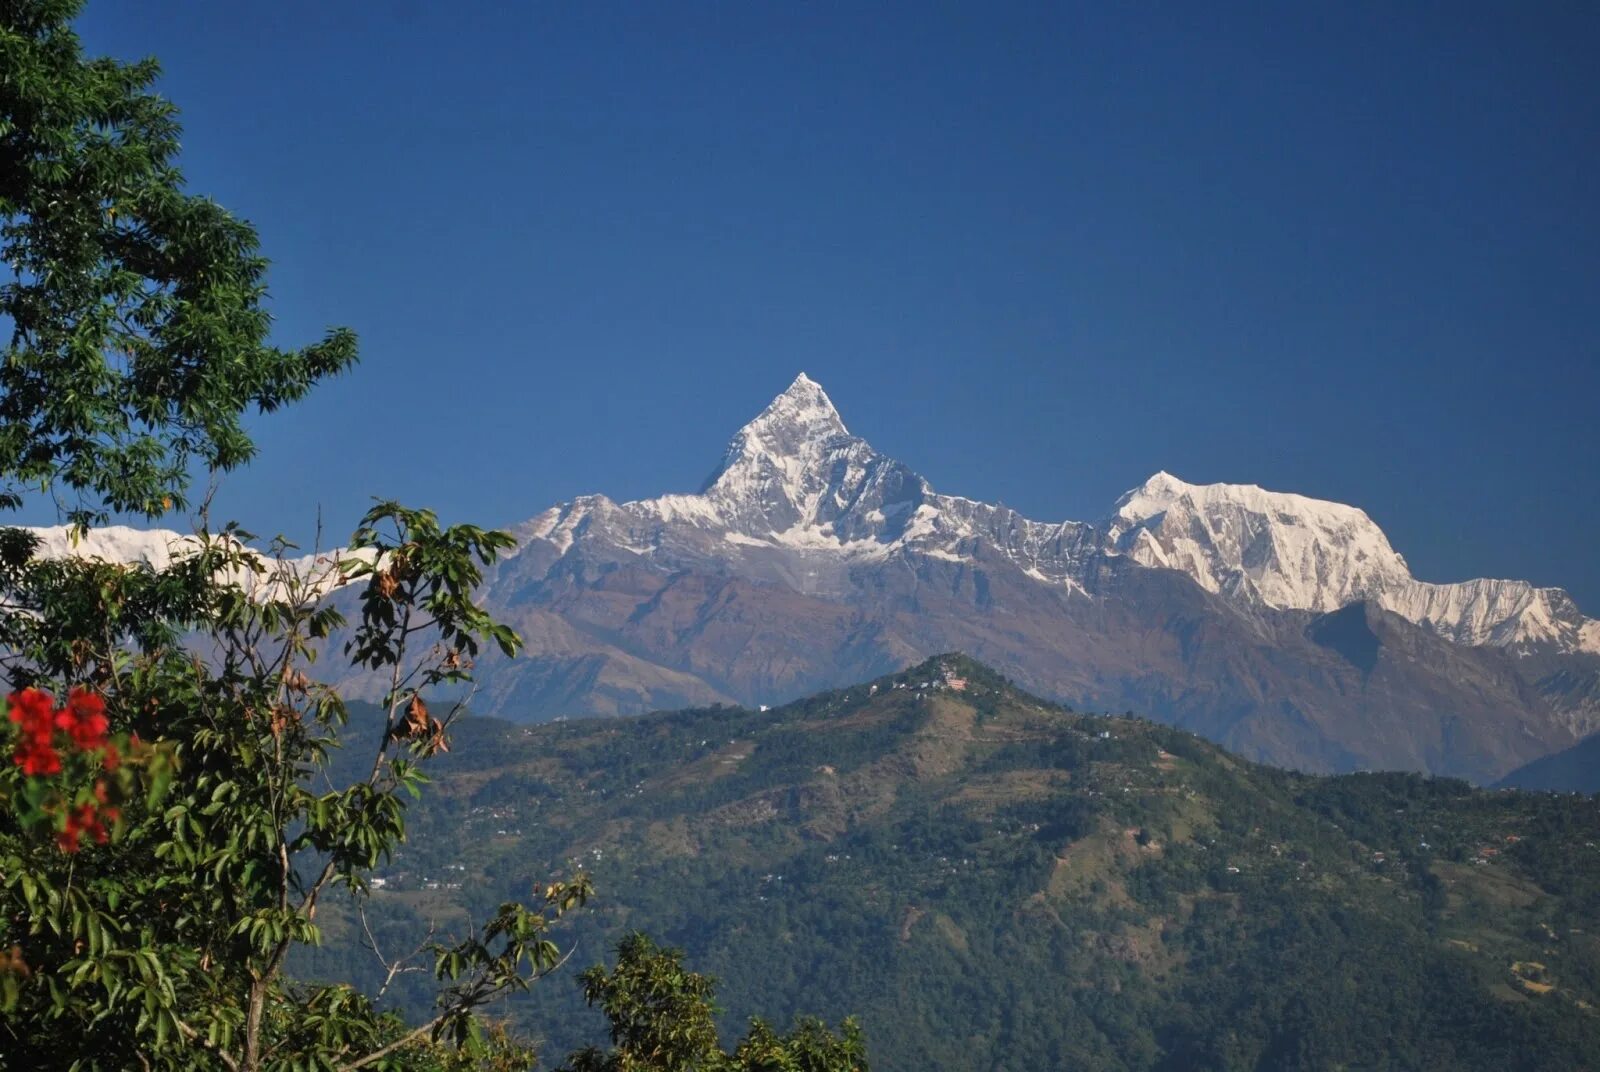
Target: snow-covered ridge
(799, 500)
(1291, 552)
(795, 488)
(159, 548)
(1273, 548)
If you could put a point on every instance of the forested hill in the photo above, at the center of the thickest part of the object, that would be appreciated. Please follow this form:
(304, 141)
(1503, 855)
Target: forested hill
(993, 882)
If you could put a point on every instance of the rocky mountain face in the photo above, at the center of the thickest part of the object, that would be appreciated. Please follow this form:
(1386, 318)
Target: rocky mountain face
(1283, 627)
(798, 499)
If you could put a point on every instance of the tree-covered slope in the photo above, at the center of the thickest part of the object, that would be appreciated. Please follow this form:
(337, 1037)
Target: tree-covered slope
(993, 882)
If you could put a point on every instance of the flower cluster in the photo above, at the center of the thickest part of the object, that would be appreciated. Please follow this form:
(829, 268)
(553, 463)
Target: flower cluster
(82, 719)
(89, 818)
(34, 711)
(47, 731)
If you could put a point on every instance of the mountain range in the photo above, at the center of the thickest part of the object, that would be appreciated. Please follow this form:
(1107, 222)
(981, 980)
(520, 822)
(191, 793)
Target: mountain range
(1283, 627)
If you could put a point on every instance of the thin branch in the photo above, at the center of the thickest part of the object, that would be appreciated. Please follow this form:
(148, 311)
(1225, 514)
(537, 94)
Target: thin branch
(206, 1044)
(465, 1005)
(398, 966)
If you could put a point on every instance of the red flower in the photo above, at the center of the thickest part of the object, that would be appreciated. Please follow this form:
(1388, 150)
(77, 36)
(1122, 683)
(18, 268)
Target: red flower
(31, 709)
(84, 718)
(37, 762)
(29, 705)
(83, 820)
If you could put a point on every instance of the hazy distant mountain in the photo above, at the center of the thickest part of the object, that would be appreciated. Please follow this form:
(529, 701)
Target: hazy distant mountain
(1573, 770)
(1284, 627)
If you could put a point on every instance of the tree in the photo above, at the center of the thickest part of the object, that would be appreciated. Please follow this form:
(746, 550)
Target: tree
(165, 946)
(137, 344)
(138, 339)
(168, 824)
(662, 1020)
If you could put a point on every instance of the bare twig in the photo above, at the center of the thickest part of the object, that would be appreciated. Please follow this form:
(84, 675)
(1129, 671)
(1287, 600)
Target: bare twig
(401, 965)
(468, 1002)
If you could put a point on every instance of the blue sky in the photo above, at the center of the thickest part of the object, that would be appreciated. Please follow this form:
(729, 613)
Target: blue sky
(1037, 252)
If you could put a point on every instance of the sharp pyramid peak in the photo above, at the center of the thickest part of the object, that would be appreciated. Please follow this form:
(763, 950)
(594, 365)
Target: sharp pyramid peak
(791, 435)
(803, 402)
(801, 417)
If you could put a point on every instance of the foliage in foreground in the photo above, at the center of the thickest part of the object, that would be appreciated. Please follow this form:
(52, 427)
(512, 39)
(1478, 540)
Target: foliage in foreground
(167, 945)
(662, 1019)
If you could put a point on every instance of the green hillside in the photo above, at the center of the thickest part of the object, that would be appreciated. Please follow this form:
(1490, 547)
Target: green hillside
(992, 882)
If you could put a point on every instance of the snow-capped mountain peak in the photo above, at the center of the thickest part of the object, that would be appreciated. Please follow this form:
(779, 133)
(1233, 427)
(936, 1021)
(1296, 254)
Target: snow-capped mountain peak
(791, 432)
(312, 575)
(1291, 552)
(1153, 496)
(795, 484)
(1162, 490)
(793, 470)
(800, 500)
(809, 554)
(1276, 548)
(802, 406)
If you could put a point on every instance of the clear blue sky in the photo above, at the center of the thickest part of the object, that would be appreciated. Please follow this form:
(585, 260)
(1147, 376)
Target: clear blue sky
(1037, 252)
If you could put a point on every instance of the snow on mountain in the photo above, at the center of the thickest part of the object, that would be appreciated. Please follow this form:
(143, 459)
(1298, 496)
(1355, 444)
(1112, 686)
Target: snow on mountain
(798, 498)
(159, 548)
(1502, 613)
(114, 543)
(1290, 552)
(1284, 551)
